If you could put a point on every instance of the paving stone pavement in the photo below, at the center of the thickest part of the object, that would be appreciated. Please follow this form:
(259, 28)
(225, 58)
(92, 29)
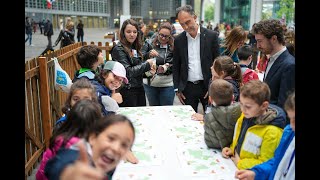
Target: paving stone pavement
(40, 41)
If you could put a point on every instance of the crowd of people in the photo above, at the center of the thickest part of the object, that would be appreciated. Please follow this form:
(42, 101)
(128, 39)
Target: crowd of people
(251, 120)
(66, 35)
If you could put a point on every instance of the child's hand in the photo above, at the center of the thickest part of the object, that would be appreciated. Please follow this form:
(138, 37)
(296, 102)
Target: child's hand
(226, 152)
(245, 174)
(131, 158)
(81, 169)
(117, 97)
(197, 117)
(235, 158)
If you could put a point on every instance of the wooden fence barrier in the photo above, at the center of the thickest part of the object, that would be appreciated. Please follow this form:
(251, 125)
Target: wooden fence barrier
(43, 102)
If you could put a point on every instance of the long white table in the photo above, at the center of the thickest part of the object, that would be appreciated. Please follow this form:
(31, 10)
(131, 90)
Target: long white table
(169, 145)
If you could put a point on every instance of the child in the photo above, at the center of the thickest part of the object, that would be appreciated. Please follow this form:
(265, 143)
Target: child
(219, 123)
(89, 58)
(258, 130)
(79, 121)
(282, 165)
(245, 55)
(81, 89)
(108, 80)
(224, 68)
(108, 142)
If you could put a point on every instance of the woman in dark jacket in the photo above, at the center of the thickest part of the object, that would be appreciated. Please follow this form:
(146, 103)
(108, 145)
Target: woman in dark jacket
(128, 52)
(80, 32)
(159, 88)
(66, 36)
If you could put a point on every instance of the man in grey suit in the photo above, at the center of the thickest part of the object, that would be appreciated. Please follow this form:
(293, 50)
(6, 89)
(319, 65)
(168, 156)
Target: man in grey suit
(194, 52)
(280, 71)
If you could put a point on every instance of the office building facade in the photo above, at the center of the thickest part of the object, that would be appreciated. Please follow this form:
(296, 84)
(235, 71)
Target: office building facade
(102, 13)
(93, 13)
(242, 12)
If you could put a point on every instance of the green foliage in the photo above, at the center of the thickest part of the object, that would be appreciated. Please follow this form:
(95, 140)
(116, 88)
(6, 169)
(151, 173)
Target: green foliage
(266, 15)
(287, 8)
(209, 12)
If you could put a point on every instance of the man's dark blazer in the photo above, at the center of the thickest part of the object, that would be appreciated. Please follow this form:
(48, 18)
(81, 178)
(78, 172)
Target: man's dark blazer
(281, 78)
(209, 50)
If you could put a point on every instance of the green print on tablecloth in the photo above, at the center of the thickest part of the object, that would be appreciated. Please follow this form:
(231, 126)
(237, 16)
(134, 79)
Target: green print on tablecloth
(198, 154)
(142, 156)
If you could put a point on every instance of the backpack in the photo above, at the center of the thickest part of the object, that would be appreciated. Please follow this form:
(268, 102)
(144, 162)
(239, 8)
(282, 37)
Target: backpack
(248, 75)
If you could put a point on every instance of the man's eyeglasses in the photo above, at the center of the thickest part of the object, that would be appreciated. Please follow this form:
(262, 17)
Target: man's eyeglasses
(164, 36)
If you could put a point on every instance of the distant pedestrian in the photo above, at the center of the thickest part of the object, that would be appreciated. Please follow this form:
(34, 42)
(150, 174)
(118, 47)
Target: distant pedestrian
(80, 32)
(28, 29)
(41, 25)
(48, 31)
(34, 25)
(66, 36)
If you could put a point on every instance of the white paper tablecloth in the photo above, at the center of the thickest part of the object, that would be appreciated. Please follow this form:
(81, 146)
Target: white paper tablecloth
(169, 145)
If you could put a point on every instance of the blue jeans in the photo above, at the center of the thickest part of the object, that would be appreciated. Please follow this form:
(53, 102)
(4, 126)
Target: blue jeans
(159, 96)
(29, 37)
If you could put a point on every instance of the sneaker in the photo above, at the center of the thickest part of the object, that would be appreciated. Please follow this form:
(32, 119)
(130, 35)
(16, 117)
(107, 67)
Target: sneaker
(31, 45)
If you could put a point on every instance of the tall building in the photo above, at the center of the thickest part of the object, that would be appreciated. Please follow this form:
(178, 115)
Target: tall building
(149, 11)
(102, 13)
(242, 12)
(94, 13)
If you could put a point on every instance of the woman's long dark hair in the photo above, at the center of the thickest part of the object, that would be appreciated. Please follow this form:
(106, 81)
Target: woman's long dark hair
(137, 45)
(80, 121)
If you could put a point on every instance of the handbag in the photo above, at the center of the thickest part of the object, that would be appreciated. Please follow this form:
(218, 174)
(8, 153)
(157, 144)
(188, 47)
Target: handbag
(62, 80)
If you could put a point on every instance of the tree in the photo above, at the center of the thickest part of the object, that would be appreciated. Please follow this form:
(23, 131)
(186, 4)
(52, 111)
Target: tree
(286, 8)
(209, 12)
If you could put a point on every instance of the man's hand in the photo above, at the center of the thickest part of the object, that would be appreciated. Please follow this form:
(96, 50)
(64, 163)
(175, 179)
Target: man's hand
(206, 95)
(181, 97)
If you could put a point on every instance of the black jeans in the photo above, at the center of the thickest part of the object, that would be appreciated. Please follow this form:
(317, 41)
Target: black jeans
(133, 97)
(195, 93)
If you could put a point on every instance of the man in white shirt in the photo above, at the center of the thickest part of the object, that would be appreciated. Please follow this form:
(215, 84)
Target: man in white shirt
(194, 52)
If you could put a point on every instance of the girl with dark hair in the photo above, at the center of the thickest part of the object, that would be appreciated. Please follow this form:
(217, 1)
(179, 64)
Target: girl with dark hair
(160, 89)
(128, 52)
(224, 68)
(98, 154)
(80, 120)
(81, 89)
